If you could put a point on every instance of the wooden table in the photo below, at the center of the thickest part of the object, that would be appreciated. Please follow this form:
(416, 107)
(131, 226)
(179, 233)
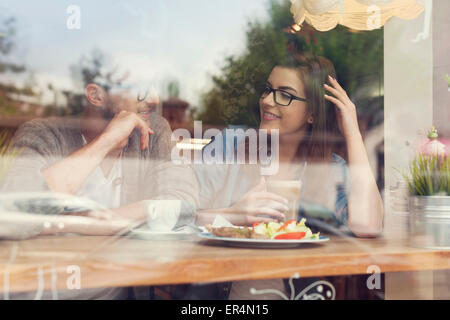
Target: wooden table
(111, 262)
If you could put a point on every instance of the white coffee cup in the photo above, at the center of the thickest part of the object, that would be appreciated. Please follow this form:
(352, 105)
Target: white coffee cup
(162, 215)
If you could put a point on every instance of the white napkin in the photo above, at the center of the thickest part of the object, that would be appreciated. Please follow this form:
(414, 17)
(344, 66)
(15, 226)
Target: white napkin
(220, 221)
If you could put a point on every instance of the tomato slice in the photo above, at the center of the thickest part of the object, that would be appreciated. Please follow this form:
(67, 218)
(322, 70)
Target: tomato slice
(255, 224)
(285, 225)
(290, 236)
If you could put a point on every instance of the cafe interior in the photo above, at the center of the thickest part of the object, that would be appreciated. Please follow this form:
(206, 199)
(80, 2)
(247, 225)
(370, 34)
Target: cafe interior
(225, 150)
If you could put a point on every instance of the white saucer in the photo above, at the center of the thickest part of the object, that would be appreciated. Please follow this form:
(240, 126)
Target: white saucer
(186, 233)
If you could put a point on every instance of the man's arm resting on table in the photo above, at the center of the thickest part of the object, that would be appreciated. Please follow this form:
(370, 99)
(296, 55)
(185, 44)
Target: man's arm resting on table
(20, 226)
(69, 174)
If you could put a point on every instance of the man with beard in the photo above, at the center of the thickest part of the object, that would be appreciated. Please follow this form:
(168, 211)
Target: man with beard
(117, 154)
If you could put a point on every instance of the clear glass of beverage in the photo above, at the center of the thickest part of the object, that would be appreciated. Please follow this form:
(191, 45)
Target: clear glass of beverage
(289, 189)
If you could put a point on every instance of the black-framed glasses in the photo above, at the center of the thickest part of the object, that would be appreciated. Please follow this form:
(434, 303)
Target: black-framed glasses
(280, 97)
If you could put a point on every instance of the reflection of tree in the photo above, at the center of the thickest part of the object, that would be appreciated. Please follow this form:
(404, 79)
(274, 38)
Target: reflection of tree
(12, 98)
(173, 89)
(233, 98)
(75, 102)
(92, 68)
(7, 33)
(96, 68)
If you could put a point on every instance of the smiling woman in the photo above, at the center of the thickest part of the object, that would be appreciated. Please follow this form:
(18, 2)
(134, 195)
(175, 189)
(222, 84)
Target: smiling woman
(314, 117)
(298, 103)
(315, 129)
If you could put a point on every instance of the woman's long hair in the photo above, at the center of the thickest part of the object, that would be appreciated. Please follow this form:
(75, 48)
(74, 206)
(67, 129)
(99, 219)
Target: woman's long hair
(322, 137)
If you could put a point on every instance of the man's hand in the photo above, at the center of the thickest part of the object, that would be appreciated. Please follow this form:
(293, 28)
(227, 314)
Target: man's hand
(61, 176)
(122, 126)
(18, 226)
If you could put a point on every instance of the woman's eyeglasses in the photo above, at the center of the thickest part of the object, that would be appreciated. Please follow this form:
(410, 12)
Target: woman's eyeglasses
(280, 97)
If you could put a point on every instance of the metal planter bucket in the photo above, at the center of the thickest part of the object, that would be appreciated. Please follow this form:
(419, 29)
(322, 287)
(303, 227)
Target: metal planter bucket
(429, 222)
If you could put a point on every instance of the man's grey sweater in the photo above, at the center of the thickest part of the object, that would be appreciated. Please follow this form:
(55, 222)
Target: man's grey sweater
(146, 174)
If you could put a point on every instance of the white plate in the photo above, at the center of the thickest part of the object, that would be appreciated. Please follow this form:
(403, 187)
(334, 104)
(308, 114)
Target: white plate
(260, 243)
(147, 234)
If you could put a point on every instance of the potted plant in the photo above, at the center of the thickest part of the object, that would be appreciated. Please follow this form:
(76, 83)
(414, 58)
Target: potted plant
(428, 180)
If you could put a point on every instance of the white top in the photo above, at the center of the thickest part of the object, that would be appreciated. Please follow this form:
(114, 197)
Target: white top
(104, 190)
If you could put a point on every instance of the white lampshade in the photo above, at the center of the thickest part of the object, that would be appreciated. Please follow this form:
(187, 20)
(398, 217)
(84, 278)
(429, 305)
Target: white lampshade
(325, 15)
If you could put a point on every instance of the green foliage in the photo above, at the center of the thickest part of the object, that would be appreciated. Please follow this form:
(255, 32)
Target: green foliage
(429, 175)
(7, 33)
(8, 29)
(94, 67)
(447, 78)
(7, 154)
(8, 106)
(173, 89)
(234, 96)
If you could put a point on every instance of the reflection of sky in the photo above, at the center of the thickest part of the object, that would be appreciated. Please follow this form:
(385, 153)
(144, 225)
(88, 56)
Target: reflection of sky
(157, 40)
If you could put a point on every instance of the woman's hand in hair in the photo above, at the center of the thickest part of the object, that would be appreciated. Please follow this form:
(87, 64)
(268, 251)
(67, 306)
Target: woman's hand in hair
(365, 205)
(346, 109)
